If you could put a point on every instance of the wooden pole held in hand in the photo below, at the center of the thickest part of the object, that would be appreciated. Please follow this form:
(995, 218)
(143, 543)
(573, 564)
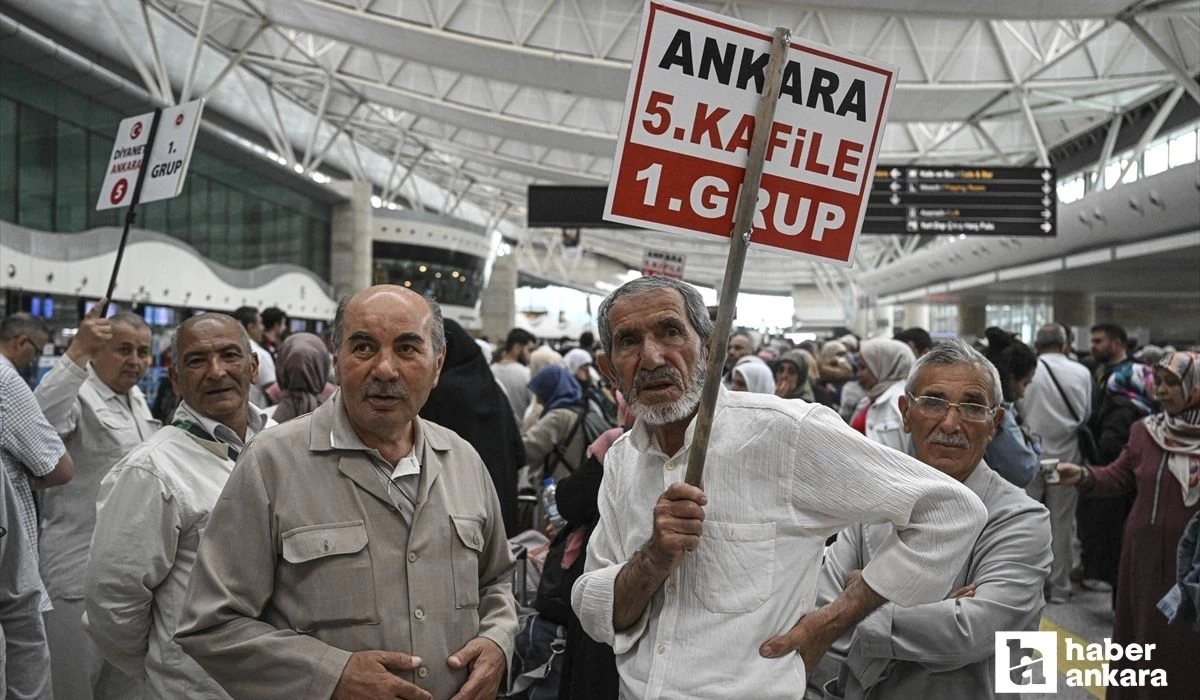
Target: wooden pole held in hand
(739, 241)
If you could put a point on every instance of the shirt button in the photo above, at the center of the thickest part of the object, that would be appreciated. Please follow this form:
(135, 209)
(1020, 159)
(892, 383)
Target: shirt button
(419, 614)
(662, 649)
(422, 672)
(475, 539)
(670, 466)
(412, 556)
(671, 588)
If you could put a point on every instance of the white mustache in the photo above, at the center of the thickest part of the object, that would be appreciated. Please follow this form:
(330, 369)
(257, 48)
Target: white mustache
(949, 439)
(644, 377)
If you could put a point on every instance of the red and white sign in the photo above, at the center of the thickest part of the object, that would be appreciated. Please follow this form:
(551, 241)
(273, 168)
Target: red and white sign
(689, 117)
(168, 164)
(663, 264)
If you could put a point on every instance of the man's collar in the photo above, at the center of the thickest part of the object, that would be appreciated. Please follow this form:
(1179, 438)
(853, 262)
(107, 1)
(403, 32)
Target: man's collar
(978, 478)
(643, 439)
(4, 359)
(342, 435)
(220, 431)
(106, 392)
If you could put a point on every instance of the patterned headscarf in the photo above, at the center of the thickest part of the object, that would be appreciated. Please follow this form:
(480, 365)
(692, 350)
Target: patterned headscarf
(1134, 381)
(1179, 435)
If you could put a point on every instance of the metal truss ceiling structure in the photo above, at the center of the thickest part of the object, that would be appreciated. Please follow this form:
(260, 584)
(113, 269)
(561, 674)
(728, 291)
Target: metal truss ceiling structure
(457, 105)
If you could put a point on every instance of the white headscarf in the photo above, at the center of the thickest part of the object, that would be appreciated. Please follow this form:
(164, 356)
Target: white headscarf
(577, 358)
(758, 377)
(889, 360)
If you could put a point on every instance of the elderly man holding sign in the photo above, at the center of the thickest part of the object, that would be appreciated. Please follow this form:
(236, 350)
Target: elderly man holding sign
(707, 592)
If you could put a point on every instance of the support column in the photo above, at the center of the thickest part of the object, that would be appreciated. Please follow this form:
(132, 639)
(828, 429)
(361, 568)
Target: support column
(498, 306)
(1074, 308)
(350, 239)
(972, 318)
(916, 315)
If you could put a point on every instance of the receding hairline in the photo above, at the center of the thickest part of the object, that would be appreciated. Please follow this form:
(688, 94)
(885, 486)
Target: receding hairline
(232, 323)
(983, 375)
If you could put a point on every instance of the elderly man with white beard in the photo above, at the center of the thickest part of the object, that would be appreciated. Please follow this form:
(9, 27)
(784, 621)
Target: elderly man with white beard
(710, 593)
(943, 650)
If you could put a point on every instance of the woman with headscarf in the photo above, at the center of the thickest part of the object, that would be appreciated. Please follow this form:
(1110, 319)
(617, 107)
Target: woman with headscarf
(792, 376)
(469, 401)
(555, 444)
(883, 366)
(753, 375)
(1161, 465)
(834, 370)
(301, 372)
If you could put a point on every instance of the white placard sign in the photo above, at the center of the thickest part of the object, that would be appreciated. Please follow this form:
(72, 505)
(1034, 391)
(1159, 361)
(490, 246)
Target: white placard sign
(167, 165)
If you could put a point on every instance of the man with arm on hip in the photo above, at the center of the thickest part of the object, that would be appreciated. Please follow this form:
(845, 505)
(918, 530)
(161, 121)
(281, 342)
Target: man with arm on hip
(699, 591)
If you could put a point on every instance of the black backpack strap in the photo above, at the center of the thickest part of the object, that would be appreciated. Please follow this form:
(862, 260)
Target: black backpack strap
(1063, 394)
(559, 453)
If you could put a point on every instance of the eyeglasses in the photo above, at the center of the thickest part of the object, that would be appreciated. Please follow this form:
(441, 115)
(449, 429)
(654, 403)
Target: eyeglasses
(935, 407)
(33, 345)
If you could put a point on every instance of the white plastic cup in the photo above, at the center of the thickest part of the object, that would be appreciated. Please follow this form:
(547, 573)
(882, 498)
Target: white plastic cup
(1050, 470)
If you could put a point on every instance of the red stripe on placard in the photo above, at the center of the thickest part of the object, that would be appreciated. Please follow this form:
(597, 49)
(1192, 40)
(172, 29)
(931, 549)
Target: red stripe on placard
(670, 190)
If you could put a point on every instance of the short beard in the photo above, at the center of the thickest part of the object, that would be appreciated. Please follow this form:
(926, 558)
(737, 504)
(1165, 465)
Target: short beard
(672, 412)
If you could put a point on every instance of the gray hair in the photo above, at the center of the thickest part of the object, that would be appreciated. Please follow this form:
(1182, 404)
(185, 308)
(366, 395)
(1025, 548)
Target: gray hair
(697, 312)
(21, 323)
(1051, 336)
(337, 328)
(955, 351)
(175, 338)
(130, 319)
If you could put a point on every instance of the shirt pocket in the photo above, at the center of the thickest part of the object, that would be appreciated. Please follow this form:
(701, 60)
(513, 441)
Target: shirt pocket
(466, 544)
(735, 566)
(327, 579)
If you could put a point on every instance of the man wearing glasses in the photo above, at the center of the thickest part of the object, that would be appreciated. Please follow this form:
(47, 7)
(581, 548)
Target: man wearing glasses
(944, 649)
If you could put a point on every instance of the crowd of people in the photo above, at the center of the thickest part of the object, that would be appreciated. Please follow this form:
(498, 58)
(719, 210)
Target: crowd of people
(309, 517)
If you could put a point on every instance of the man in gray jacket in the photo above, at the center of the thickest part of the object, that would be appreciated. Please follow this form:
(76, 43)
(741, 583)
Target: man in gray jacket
(92, 399)
(944, 649)
(358, 551)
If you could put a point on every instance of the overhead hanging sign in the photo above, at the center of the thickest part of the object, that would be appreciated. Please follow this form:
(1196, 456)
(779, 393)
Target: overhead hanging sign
(689, 116)
(662, 264)
(972, 200)
(167, 164)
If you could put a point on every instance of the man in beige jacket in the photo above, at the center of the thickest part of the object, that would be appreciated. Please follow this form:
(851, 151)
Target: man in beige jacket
(358, 551)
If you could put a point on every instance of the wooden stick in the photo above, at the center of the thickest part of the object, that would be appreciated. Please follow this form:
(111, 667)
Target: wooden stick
(739, 241)
(130, 213)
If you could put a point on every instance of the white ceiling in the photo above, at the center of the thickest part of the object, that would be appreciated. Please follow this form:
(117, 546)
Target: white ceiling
(479, 98)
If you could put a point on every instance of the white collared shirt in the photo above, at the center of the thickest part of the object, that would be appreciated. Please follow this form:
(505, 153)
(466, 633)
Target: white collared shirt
(781, 476)
(404, 484)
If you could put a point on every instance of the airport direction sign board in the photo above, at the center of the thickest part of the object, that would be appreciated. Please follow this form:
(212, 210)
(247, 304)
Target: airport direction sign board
(689, 117)
(972, 200)
(168, 162)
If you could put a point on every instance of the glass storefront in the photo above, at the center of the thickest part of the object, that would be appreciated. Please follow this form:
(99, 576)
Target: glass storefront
(452, 278)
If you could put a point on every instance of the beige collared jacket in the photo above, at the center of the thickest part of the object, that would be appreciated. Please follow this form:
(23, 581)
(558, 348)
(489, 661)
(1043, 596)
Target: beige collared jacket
(306, 559)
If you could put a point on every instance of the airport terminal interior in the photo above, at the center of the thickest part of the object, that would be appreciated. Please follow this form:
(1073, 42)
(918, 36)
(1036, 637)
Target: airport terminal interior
(1031, 188)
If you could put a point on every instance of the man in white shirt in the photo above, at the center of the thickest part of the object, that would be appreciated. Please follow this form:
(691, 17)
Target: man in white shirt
(154, 504)
(943, 650)
(91, 398)
(1056, 403)
(251, 320)
(699, 592)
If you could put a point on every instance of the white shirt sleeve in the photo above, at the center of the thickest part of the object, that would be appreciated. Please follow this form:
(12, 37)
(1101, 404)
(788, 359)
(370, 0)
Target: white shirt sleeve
(848, 479)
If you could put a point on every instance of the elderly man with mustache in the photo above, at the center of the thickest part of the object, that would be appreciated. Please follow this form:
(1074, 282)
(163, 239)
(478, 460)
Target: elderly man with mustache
(153, 507)
(943, 649)
(359, 551)
(710, 593)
